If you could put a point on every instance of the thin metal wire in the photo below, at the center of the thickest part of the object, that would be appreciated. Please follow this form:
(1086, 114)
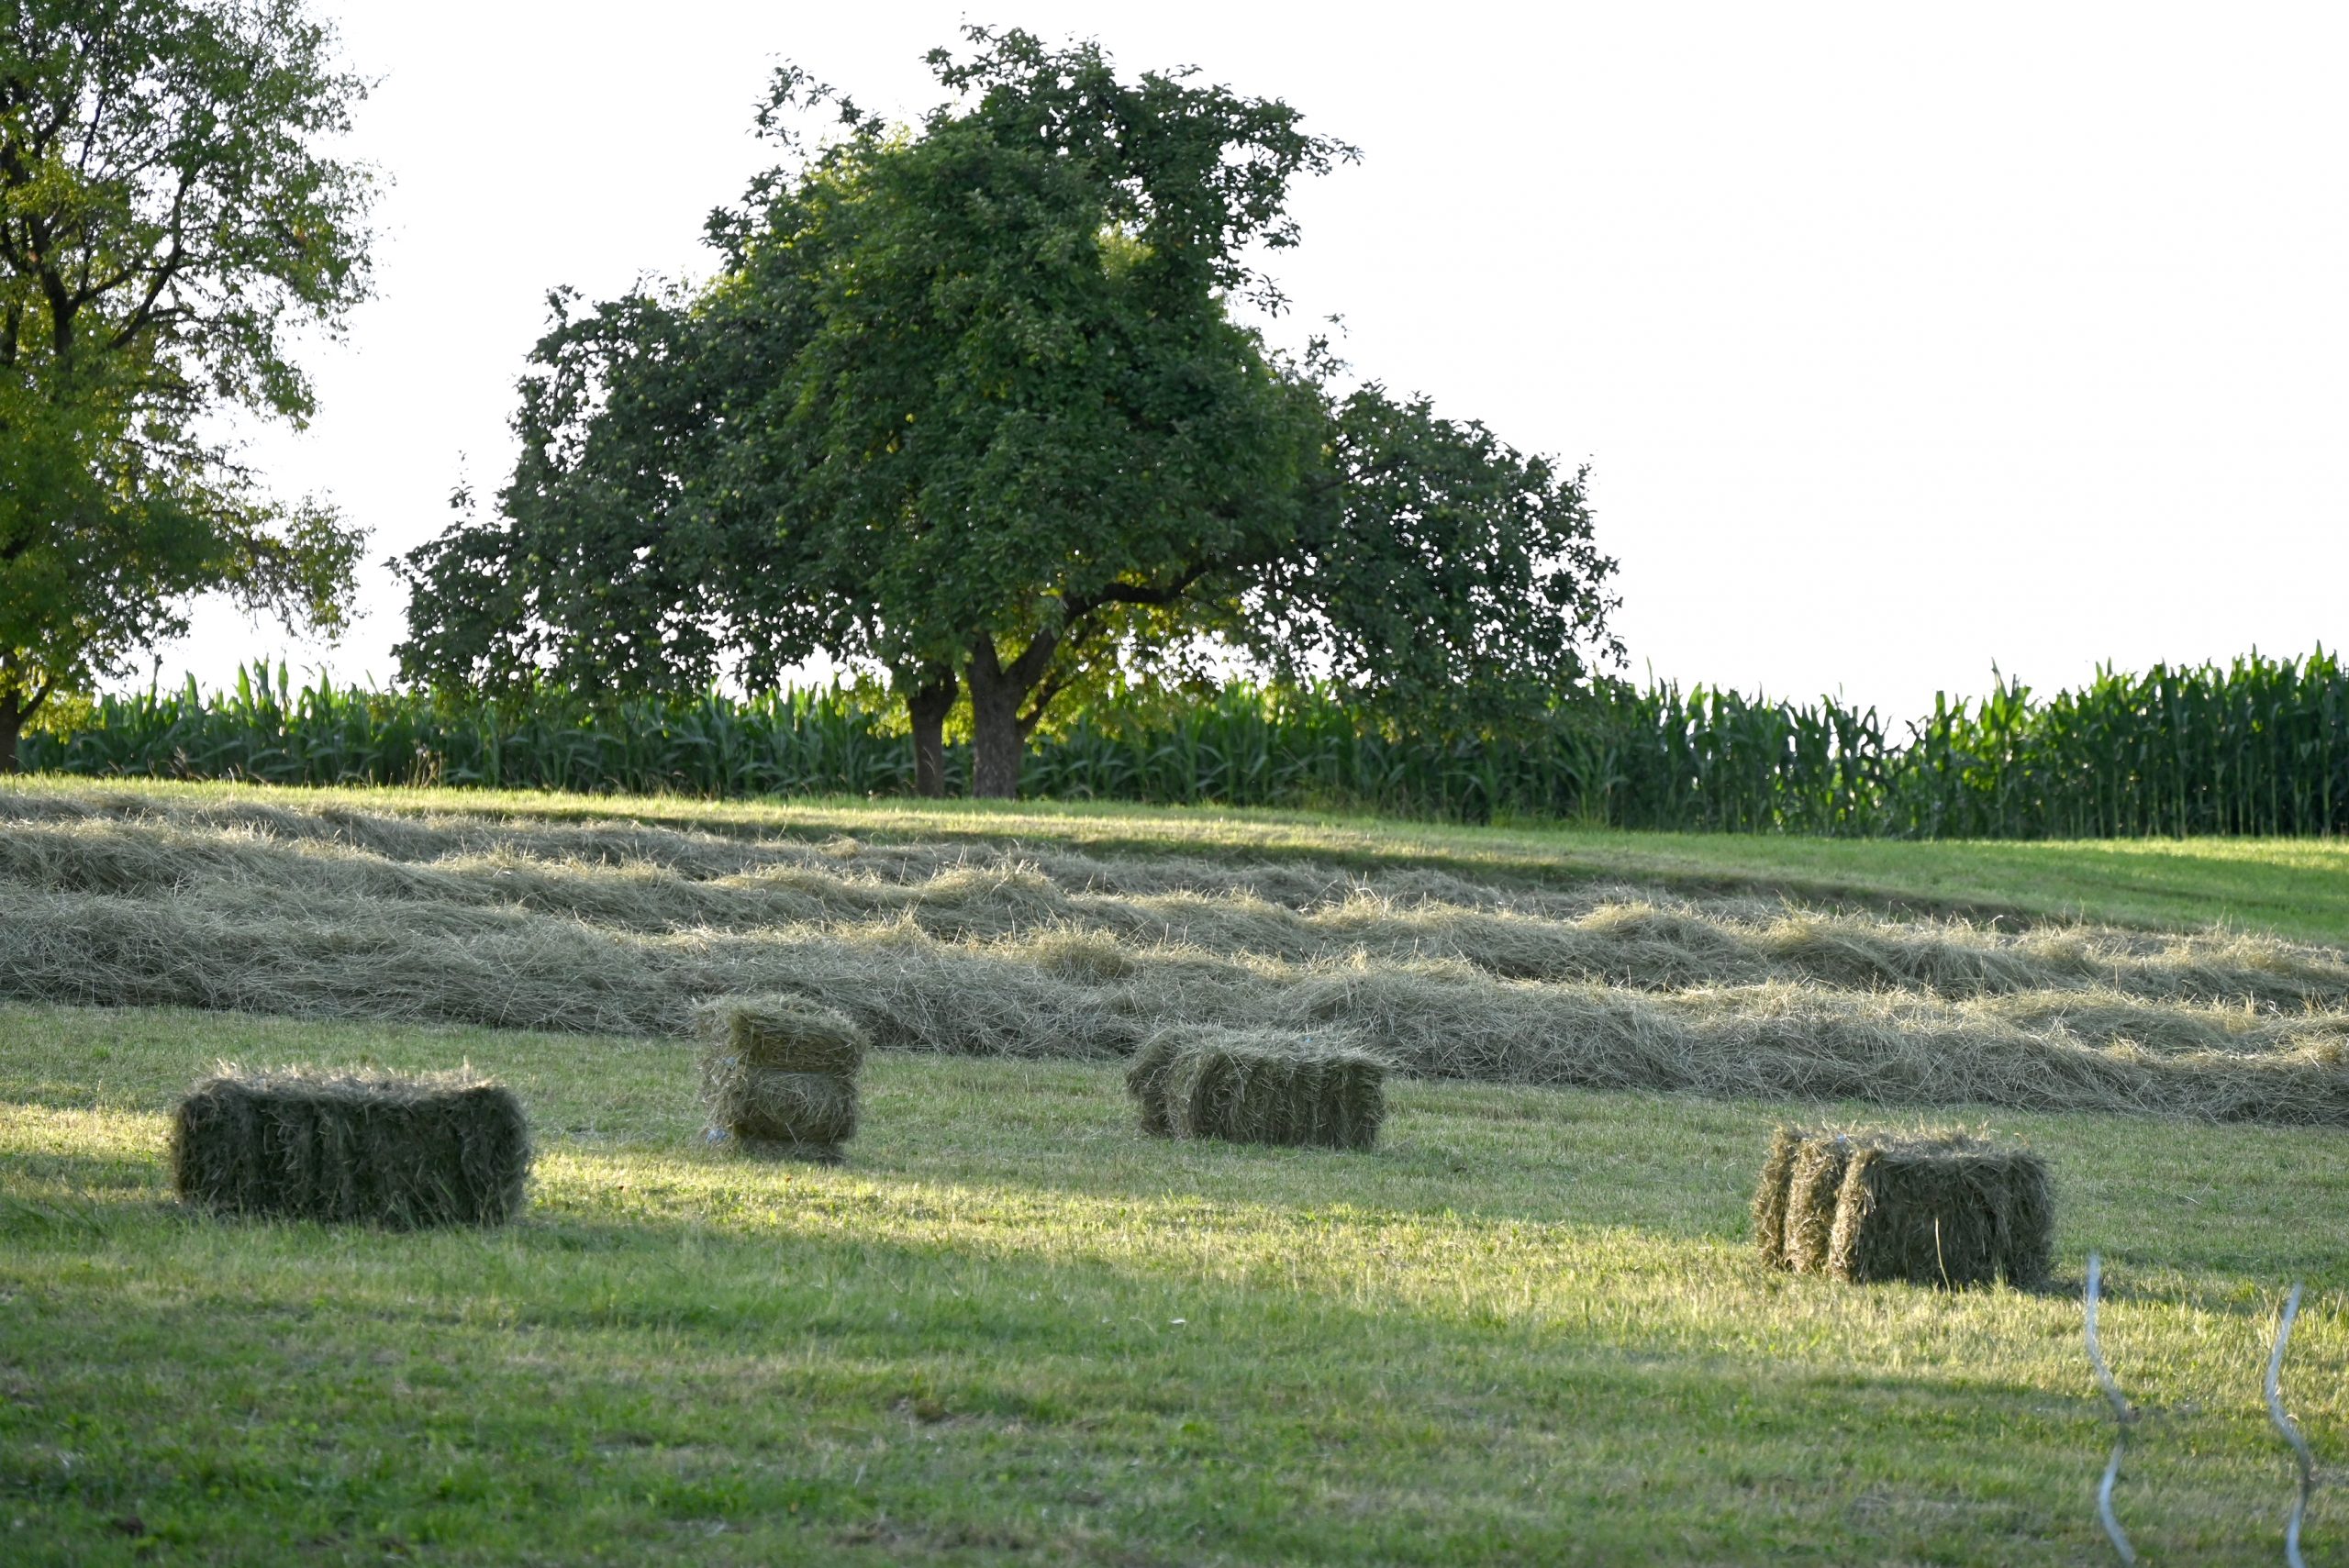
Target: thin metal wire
(2122, 1417)
(2290, 1429)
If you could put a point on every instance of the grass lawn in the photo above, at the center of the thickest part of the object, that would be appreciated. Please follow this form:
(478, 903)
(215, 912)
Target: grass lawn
(2294, 887)
(1527, 1328)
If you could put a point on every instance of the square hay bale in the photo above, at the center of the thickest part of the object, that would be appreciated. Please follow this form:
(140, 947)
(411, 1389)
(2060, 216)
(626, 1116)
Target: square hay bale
(790, 1034)
(1771, 1193)
(1259, 1086)
(1943, 1209)
(779, 1074)
(295, 1144)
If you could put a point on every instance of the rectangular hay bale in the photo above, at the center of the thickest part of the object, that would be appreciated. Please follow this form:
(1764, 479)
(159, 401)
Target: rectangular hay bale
(342, 1148)
(1259, 1086)
(779, 1074)
(1947, 1210)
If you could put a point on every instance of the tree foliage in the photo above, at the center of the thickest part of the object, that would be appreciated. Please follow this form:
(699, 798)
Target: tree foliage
(168, 223)
(969, 400)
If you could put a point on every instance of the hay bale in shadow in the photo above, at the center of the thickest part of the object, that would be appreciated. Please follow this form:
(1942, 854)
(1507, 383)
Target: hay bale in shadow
(1259, 1086)
(449, 1148)
(779, 1075)
(1771, 1193)
(760, 1105)
(1943, 1209)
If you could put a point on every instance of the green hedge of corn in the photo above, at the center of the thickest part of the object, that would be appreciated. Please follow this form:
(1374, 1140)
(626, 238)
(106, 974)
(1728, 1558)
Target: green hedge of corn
(2260, 746)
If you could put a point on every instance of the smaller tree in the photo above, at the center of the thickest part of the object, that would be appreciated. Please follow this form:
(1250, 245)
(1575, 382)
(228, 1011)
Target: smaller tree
(167, 222)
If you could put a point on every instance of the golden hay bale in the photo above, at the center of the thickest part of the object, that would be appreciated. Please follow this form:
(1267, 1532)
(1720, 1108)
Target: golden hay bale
(1947, 1209)
(1814, 1183)
(449, 1148)
(1259, 1086)
(788, 1033)
(1770, 1195)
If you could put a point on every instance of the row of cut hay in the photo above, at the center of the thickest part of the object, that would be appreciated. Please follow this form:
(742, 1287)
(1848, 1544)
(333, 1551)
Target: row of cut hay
(1939, 1207)
(1258, 1086)
(1079, 995)
(1614, 937)
(704, 853)
(448, 1149)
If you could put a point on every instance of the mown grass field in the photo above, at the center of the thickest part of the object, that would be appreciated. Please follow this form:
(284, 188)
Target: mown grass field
(1012, 1329)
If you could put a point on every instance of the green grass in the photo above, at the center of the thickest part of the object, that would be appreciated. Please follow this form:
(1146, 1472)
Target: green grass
(1014, 1329)
(2294, 887)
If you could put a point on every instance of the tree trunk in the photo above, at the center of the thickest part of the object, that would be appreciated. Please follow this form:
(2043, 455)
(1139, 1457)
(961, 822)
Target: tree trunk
(927, 705)
(12, 724)
(996, 739)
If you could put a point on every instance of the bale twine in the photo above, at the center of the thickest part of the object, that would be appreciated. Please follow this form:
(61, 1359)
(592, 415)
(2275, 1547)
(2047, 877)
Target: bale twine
(779, 1074)
(1259, 1086)
(298, 1143)
(1946, 1209)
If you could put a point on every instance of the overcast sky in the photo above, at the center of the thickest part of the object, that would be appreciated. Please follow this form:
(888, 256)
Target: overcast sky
(1899, 340)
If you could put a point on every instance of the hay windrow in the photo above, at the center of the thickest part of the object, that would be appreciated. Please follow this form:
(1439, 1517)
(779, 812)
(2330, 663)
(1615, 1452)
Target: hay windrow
(910, 991)
(347, 1147)
(633, 878)
(621, 929)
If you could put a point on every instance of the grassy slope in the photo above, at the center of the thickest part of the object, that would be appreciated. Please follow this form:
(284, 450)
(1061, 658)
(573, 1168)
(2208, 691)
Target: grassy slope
(1527, 1328)
(2294, 887)
(1013, 1329)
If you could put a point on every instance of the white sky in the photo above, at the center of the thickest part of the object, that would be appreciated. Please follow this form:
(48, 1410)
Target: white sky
(1900, 341)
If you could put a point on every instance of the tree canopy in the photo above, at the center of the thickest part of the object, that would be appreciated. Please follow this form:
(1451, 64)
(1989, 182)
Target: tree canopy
(970, 400)
(168, 221)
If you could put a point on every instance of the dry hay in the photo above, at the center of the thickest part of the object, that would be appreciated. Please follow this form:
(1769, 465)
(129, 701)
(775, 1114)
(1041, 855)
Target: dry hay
(779, 1073)
(619, 928)
(785, 1032)
(1946, 1209)
(1147, 1074)
(1259, 1086)
(250, 949)
(296, 1143)
(637, 878)
(1770, 1194)
(1814, 1182)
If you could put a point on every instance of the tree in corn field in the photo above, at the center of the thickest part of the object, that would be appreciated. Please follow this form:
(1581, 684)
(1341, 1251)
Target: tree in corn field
(169, 219)
(970, 401)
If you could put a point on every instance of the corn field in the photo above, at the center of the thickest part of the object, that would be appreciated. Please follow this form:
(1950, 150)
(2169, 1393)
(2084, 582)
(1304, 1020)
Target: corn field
(2260, 746)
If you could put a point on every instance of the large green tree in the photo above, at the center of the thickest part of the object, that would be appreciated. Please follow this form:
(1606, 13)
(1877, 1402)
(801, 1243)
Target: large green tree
(169, 217)
(969, 400)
